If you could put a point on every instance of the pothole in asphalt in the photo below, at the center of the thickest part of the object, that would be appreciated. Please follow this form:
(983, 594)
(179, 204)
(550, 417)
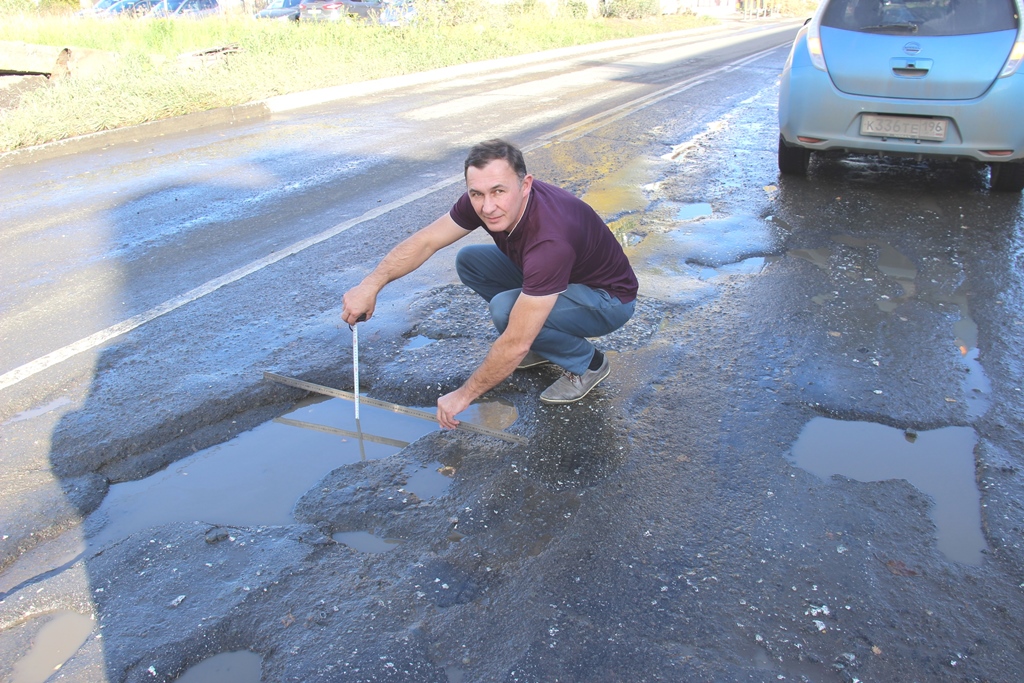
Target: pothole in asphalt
(897, 267)
(748, 266)
(719, 241)
(365, 542)
(620, 192)
(819, 257)
(417, 342)
(256, 478)
(938, 462)
(627, 231)
(691, 212)
(41, 410)
(429, 481)
(227, 667)
(53, 645)
(977, 388)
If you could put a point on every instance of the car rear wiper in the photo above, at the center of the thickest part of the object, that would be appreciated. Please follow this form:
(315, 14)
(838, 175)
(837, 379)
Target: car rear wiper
(882, 28)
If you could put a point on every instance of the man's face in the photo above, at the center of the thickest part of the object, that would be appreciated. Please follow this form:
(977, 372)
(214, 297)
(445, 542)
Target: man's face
(497, 194)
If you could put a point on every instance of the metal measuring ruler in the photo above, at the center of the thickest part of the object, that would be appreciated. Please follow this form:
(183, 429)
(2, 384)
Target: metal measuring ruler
(393, 407)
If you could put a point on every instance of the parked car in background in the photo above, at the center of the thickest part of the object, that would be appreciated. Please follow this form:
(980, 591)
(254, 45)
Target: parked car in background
(95, 9)
(128, 9)
(920, 78)
(280, 9)
(338, 10)
(397, 13)
(184, 9)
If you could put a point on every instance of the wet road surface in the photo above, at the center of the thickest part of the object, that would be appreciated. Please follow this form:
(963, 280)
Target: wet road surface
(751, 496)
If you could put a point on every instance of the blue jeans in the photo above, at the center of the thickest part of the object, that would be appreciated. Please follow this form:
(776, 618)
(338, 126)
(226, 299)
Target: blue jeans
(580, 311)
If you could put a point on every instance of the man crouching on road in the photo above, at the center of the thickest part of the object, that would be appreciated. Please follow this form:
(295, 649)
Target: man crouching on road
(554, 276)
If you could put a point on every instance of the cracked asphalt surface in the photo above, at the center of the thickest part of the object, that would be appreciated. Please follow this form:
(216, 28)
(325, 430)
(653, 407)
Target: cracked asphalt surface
(658, 530)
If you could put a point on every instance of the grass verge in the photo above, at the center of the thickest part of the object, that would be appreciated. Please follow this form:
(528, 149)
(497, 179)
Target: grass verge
(147, 82)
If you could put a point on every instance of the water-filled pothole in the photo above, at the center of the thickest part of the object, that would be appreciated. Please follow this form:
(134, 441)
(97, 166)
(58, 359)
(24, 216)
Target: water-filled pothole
(620, 192)
(748, 266)
(977, 387)
(365, 542)
(901, 270)
(255, 478)
(53, 645)
(429, 481)
(227, 667)
(417, 342)
(40, 410)
(691, 212)
(938, 462)
(251, 480)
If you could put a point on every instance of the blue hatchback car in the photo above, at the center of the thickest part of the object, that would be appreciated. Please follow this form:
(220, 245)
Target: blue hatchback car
(920, 78)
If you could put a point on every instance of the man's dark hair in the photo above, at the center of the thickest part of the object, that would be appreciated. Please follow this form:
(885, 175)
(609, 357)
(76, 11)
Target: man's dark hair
(489, 150)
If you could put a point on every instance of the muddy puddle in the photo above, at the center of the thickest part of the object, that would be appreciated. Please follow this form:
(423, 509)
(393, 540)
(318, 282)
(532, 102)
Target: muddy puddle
(227, 667)
(256, 478)
(41, 410)
(365, 542)
(53, 645)
(423, 482)
(893, 265)
(417, 342)
(693, 211)
(621, 191)
(748, 266)
(938, 462)
(977, 387)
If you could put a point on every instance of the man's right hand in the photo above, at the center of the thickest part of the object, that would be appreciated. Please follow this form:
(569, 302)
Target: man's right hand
(400, 261)
(358, 303)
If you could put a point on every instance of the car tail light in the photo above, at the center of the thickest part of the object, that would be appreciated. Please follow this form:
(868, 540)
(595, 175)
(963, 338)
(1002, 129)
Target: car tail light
(998, 152)
(334, 5)
(1016, 56)
(814, 49)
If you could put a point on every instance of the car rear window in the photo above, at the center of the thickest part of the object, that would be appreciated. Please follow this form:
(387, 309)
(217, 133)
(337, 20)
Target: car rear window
(921, 17)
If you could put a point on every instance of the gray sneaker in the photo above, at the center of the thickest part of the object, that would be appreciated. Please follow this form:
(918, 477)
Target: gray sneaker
(571, 387)
(532, 360)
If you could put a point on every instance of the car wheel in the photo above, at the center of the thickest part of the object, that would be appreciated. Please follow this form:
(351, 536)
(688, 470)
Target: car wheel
(793, 160)
(1007, 176)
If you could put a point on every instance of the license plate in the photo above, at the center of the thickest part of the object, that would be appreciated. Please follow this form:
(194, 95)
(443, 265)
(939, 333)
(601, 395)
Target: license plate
(906, 127)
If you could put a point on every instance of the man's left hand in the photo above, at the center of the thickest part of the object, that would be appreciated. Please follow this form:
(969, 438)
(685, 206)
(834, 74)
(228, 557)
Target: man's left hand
(450, 405)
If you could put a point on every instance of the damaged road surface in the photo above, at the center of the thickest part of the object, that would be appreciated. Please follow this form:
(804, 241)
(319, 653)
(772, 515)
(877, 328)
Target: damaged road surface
(805, 465)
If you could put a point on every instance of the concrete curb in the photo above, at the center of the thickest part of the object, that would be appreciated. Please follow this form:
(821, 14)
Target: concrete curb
(283, 103)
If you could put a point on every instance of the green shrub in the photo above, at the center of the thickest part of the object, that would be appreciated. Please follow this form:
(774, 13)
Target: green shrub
(11, 7)
(59, 6)
(576, 9)
(631, 9)
(797, 8)
(438, 13)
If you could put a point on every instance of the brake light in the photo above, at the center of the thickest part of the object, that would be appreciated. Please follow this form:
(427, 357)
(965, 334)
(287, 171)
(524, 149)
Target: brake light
(334, 5)
(1014, 60)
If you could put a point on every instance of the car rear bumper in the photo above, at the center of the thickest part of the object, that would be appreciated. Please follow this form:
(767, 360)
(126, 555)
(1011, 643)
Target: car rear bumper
(810, 106)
